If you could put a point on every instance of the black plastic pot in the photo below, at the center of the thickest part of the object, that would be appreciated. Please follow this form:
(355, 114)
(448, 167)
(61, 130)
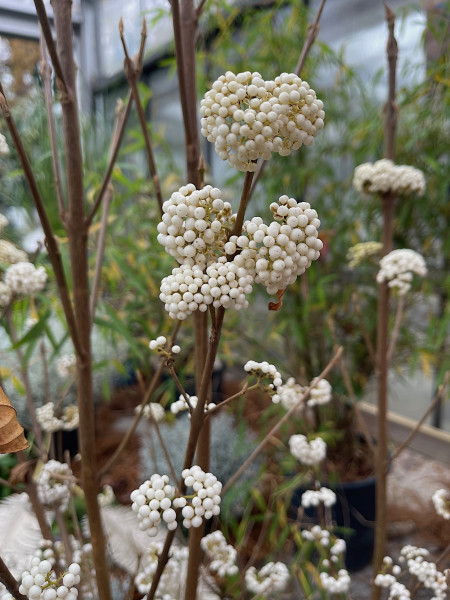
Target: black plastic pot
(355, 511)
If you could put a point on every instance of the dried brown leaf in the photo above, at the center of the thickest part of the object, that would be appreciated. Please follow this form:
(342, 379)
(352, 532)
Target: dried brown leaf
(12, 438)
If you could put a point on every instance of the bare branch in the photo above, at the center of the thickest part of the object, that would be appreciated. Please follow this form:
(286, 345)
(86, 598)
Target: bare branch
(396, 330)
(132, 72)
(47, 32)
(10, 583)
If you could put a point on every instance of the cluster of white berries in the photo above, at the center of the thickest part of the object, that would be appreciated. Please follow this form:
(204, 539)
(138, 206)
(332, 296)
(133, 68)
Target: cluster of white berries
(441, 501)
(289, 395)
(41, 582)
(159, 344)
(195, 225)
(323, 537)
(359, 252)
(423, 571)
(265, 370)
(320, 393)
(188, 288)
(222, 556)
(397, 269)
(181, 405)
(178, 556)
(282, 250)
(338, 584)
(153, 500)
(5, 294)
(11, 255)
(153, 412)
(205, 503)
(4, 148)
(308, 453)
(106, 497)
(384, 176)
(46, 418)
(24, 278)
(247, 118)
(54, 484)
(65, 365)
(314, 497)
(271, 579)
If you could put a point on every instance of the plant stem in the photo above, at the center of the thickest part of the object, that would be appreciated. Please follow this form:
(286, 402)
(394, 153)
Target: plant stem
(382, 364)
(78, 236)
(396, 330)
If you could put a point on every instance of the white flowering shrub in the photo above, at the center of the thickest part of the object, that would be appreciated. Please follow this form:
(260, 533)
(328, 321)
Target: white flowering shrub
(54, 484)
(25, 279)
(384, 176)
(308, 453)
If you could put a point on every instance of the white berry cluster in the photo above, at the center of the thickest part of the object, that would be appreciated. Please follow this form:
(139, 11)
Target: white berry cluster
(320, 393)
(178, 556)
(153, 500)
(338, 584)
(289, 395)
(205, 502)
(181, 405)
(41, 582)
(46, 418)
(247, 118)
(9, 254)
(54, 484)
(282, 250)
(308, 453)
(5, 294)
(425, 572)
(222, 556)
(153, 411)
(317, 534)
(65, 365)
(315, 497)
(188, 288)
(265, 370)
(359, 252)
(384, 176)
(195, 225)
(441, 501)
(159, 344)
(271, 579)
(397, 269)
(24, 278)
(4, 148)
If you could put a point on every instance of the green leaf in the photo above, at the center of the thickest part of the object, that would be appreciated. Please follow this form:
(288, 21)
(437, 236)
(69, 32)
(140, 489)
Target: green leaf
(34, 333)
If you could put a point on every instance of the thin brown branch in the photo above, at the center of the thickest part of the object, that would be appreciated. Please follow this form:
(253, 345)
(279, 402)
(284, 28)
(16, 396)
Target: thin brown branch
(283, 420)
(50, 239)
(398, 321)
(365, 333)
(47, 32)
(100, 250)
(313, 30)
(122, 119)
(179, 385)
(214, 409)
(245, 199)
(46, 78)
(435, 401)
(132, 72)
(165, 451)
(9, 581)
(391, 108)
(200, 8)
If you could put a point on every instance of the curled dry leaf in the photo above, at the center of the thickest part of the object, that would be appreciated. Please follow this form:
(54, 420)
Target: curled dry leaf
(11, 432)
(279, 304)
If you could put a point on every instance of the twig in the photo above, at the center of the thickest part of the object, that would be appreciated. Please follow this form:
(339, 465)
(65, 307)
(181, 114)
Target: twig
(398, 321)
(419, 424)
(283, 420)
(132, 72)
(14, 488)
(50, 239)
(223, 403)
(164, 449)
(313, 30)
(47, 32)
(64, 535)
(8, 580)
(364, 331)
(201, 8)
(46, 73)
(179, 385)
(122, 118)
(245, 199)
(100, 250)
(150, 390)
